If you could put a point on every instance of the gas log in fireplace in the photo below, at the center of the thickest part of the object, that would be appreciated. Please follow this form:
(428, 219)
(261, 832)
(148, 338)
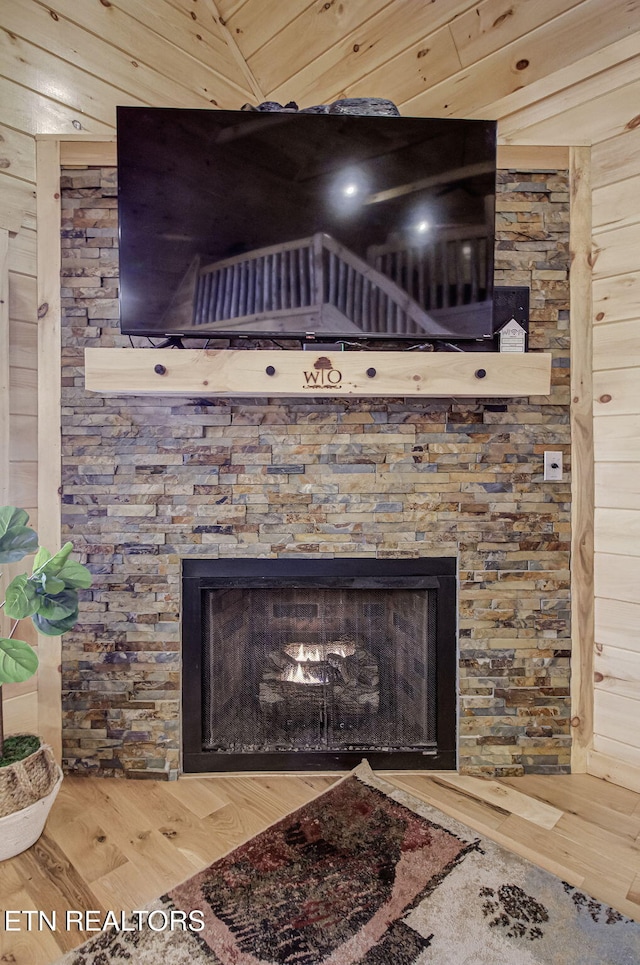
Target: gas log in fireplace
(316, 663)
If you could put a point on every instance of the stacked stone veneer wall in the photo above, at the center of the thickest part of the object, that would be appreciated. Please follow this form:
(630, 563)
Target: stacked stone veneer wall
(149, 481)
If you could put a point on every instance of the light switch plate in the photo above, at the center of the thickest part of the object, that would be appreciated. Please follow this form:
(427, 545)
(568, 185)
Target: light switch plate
(552, 466)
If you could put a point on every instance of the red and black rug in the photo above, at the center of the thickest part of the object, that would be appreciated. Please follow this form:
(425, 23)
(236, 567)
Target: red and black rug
(368, 874)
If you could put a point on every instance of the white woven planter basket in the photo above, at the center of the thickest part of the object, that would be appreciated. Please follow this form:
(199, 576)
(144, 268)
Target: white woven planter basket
(18, 831)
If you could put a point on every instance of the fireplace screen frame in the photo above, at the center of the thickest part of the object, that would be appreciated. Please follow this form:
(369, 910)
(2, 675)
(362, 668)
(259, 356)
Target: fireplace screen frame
(200, 576)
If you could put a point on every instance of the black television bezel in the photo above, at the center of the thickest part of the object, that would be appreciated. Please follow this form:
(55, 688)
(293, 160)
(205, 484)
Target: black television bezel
(473, 340)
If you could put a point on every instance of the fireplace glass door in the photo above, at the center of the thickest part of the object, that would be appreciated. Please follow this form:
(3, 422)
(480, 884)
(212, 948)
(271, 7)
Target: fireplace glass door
(297, 669)
(317, 669)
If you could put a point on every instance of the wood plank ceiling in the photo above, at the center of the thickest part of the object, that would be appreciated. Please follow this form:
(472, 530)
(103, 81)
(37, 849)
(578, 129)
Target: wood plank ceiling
(444, 58)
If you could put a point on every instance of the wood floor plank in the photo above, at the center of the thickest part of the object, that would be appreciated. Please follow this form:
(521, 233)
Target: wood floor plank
(580, 791)
(455, 802)
(558, 794)
(317, 783)
(596, 841)
(200, 797)
(513, 800)
(573, 854)
(257, 797)
(10, 881)
(84, 841)
(179, 825)
(289, 793)
(144, 846)
(633, 895)
(126, 889)
(50, 884)
(52, 880)
(28, 947)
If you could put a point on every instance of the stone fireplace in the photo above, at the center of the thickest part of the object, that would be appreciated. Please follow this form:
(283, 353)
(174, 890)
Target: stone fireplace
(314, 663)
(153, 485)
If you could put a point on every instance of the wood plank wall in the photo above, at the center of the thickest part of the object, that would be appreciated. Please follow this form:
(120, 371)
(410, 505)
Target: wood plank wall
(616, 385)
(554, 72)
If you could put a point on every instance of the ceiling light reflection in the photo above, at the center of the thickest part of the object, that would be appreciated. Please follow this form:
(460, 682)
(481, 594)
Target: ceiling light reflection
(348, 190)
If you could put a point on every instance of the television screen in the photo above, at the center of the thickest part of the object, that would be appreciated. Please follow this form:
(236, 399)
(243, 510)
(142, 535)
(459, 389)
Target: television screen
(293, 224)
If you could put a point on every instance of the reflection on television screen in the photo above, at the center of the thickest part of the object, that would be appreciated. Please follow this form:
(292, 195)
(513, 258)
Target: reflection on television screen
(289, 224)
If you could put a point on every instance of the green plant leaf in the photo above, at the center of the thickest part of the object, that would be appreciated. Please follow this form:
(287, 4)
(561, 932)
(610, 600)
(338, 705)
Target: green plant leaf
(16, 538)
(41, 558)
(11, 516)
(55, 628)
(54, 563)
(21, 599)
(52, 584)
(49, 596)
(18, 661)
(59, 606)
(75, 575)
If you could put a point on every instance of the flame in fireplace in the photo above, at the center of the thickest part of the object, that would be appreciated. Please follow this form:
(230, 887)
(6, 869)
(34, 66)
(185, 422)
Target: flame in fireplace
(318, 652)
(306, 655)
(302, 675)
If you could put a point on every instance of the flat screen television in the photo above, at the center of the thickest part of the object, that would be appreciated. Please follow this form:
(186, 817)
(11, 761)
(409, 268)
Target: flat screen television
(305, 225)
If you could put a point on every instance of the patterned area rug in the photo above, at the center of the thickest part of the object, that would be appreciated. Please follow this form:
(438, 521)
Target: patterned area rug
(366, 873)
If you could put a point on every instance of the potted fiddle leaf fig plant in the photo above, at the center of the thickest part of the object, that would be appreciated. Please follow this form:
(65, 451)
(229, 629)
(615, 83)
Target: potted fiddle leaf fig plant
(30, 776)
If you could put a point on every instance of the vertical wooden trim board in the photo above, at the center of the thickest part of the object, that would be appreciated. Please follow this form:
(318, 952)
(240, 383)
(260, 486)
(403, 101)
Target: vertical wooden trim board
(4, 367)
(582, 466)
(19, 701)
(49, 392)
(5, 402)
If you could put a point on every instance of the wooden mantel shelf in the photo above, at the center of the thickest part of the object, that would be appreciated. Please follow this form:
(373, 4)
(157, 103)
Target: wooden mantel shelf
(229, 373)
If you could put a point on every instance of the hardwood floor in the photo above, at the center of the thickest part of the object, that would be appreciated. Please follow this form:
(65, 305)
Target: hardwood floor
(116, 845)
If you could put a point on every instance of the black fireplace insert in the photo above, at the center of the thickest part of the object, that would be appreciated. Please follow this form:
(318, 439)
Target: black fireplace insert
(313, 664)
